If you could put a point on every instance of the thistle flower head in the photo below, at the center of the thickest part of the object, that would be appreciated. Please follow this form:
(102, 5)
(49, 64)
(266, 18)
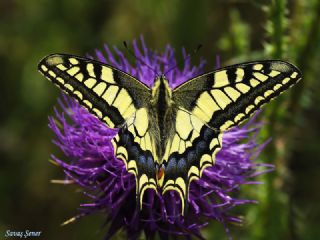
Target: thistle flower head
(89, 161)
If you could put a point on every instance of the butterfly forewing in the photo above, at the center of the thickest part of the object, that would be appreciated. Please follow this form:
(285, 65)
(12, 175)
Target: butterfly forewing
(226, 97)
(102, 89)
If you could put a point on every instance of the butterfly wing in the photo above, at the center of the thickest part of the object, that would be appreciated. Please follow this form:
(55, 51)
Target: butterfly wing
(116, 98)
(191, 150)
(226, 97)
(110, 94)
(135, 147)
(215, 102)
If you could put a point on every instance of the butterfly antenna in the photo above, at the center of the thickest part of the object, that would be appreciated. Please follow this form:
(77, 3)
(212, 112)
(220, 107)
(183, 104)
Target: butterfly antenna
(139, 59)
(185, 59)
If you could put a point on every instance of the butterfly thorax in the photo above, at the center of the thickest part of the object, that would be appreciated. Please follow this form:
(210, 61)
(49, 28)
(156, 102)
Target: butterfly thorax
(162, 114)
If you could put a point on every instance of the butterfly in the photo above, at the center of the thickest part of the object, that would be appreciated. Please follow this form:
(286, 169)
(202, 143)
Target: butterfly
(168, 137)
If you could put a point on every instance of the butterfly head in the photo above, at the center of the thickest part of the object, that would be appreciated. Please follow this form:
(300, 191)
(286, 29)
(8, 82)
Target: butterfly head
(161, 89)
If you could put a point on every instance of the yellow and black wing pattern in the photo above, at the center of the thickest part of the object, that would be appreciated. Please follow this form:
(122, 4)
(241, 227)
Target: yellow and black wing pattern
(108, 93)
(191, 150)
(200, 110)
(135, 146)
(226, 97)
(117, 99)
(213, 103)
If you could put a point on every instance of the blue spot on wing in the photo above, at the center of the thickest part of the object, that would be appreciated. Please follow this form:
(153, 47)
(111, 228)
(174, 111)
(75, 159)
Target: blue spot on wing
(171, 167)
(182, 165)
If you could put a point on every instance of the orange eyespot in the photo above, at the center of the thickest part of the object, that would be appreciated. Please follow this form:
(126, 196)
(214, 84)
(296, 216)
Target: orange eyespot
(160, 173)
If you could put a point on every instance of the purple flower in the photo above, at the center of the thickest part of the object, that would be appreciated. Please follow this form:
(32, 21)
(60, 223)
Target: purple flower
(86, 144)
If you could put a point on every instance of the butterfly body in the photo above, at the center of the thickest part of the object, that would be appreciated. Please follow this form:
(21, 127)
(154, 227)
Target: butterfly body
(168, 137)
(162, 111)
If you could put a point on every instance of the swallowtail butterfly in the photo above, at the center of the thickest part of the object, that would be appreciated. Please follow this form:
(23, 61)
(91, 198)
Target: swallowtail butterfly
(168, 137)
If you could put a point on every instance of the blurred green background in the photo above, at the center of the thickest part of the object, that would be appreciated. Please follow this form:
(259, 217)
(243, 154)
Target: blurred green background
(238, 30)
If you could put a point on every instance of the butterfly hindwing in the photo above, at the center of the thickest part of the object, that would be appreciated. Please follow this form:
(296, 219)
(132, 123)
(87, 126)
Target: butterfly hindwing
(226, 97)
(192, 149)
(138, 160)
(135, 146)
